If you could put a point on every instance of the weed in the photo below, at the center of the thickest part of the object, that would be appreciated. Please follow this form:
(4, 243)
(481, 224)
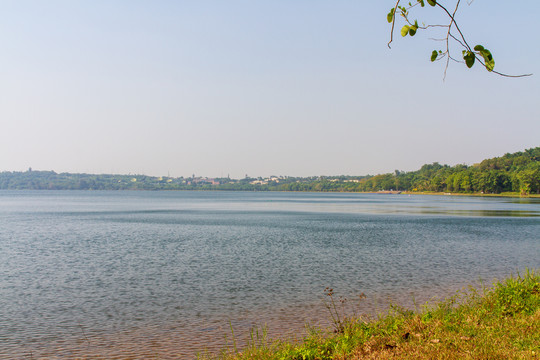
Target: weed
(338, 313)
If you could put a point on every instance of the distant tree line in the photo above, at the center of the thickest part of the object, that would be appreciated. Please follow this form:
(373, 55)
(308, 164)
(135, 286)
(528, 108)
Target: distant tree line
(518, 172)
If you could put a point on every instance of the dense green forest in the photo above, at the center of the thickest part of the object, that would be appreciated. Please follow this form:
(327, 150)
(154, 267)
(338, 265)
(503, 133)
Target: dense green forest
(518, 172)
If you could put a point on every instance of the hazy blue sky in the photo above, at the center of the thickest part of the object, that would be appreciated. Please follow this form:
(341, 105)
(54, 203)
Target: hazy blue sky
(275, 87)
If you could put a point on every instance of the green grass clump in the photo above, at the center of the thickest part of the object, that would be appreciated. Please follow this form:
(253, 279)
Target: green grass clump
(501, 322)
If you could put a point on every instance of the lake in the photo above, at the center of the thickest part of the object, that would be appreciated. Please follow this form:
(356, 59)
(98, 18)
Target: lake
(166, 274)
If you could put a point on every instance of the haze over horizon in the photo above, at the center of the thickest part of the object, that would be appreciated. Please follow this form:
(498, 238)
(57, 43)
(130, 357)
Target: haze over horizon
(255, 87)
(228, 175)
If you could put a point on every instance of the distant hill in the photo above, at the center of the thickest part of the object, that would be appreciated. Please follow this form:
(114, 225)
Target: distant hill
(518, 172)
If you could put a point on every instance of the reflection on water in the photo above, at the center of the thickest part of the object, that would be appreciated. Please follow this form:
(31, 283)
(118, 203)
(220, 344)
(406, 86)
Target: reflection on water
(484, 213)
(141, 274)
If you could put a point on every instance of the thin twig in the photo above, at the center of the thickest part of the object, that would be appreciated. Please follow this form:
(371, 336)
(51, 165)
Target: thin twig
(393, 23)
(455, 23)
(452, 17)
(457, 40)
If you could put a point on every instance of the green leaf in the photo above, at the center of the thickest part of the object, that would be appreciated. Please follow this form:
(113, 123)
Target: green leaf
(434, 55)
(486, 54)
(469, 58)
(421, 3)
(432, 2)
(478, 48)
(405, 30)
(488, 59)
(390, 16)
(412, 30)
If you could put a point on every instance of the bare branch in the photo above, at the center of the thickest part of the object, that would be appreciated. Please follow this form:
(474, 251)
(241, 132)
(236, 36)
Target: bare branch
(453, 21)
(459, 41)
(448, 36)
(393, 23)
(434, 25)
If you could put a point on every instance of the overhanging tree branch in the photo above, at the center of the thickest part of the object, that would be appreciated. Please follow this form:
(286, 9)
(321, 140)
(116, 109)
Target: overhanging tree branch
(470, 54)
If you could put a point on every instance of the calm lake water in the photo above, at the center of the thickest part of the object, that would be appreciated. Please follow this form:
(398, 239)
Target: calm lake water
(164, 274)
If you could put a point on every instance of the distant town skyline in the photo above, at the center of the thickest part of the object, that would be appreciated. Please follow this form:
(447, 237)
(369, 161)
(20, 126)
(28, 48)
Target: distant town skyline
(258, 178)
(262, 88)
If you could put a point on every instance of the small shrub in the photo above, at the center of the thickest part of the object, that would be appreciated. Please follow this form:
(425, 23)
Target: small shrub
(519, 294)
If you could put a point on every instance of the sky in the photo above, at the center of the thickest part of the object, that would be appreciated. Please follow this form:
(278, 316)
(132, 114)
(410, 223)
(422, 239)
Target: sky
(250, 87)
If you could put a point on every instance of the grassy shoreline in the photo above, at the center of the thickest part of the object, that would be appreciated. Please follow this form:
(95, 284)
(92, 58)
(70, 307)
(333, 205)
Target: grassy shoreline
(499, 322)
